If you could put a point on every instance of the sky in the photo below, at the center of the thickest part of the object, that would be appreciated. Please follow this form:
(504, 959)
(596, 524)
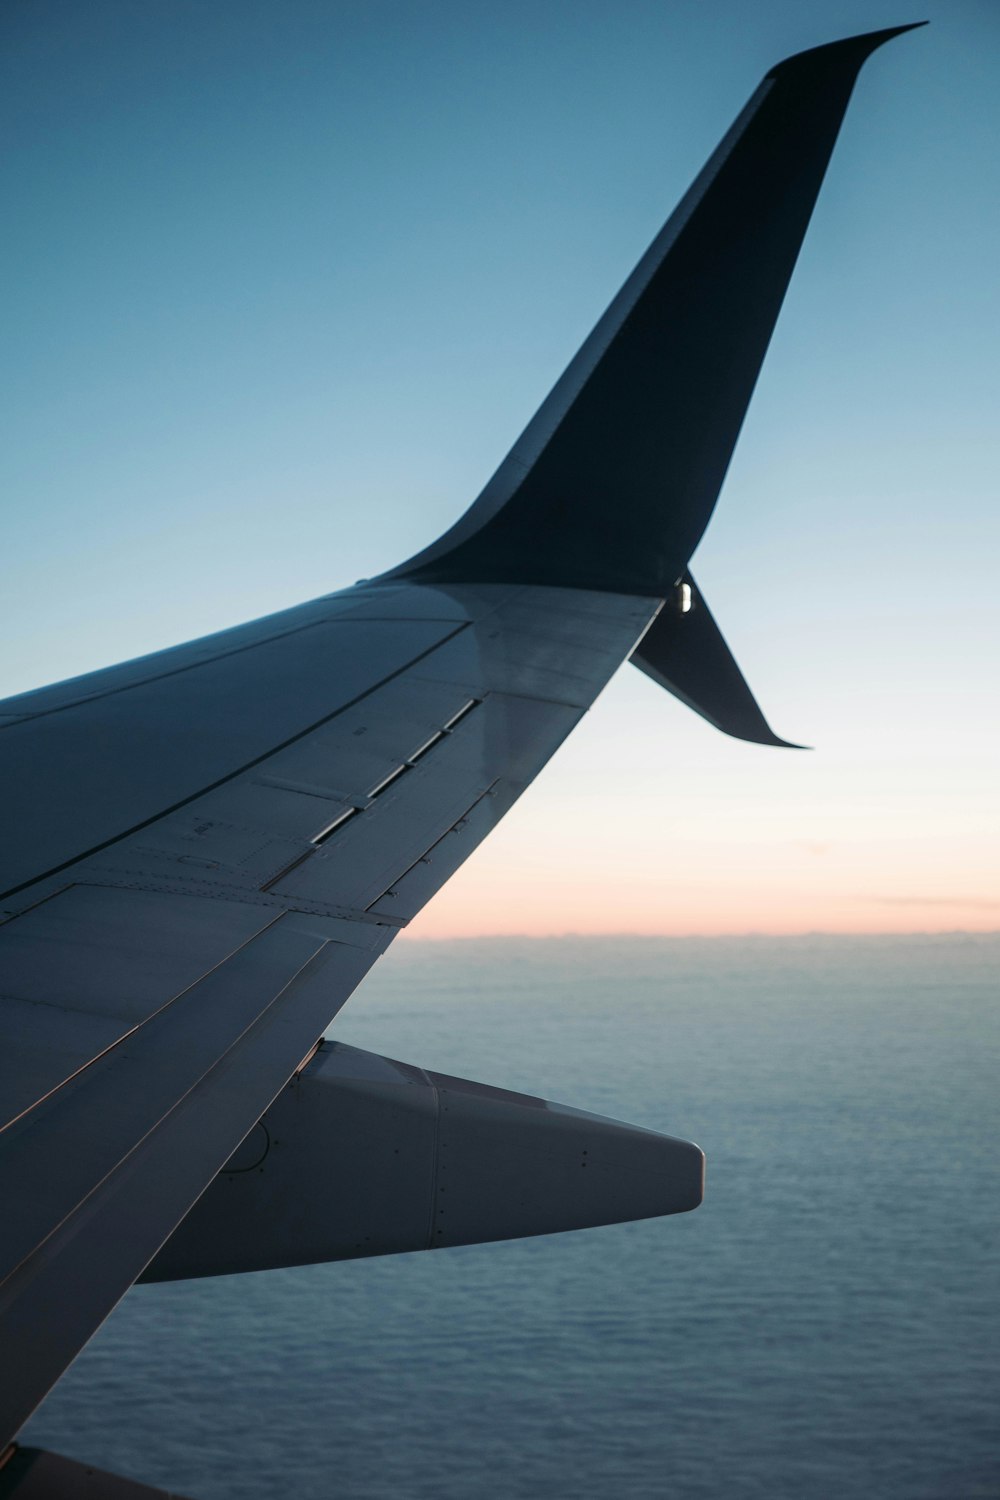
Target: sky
(284, 281)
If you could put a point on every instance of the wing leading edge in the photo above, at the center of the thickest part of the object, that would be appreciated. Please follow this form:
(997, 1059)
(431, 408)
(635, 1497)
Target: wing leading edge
(208, 848)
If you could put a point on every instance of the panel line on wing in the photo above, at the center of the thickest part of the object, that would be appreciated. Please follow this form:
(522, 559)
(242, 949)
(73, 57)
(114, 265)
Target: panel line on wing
(418, 754)
(238, 771)
(411, 762)
(338, 822)
(129, 1030)
(399, 885)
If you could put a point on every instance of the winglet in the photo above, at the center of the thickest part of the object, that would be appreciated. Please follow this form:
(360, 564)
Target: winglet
(857, 48)
(686, 653)
(612, 483)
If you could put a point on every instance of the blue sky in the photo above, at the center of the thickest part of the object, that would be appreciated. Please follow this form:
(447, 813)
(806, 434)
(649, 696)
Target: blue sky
(283, 282)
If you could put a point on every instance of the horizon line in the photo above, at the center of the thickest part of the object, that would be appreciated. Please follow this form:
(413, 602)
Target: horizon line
(547, 937)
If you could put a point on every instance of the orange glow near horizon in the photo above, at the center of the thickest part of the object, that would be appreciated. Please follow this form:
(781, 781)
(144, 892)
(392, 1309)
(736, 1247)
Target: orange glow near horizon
(648, 822)
(491, 900)
(526, 880)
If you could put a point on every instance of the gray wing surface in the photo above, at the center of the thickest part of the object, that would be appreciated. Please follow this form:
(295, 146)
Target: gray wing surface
(205, 850)
(159, 991)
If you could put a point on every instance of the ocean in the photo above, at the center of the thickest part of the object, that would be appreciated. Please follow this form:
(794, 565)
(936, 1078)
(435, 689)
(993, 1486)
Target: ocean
(825, 1325)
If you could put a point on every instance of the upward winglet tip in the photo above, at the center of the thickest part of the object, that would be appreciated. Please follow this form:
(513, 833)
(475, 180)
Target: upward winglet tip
(878, 38)
(849, 49)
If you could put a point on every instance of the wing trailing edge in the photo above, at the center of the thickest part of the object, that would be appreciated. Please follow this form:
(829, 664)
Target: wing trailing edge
(612, 483)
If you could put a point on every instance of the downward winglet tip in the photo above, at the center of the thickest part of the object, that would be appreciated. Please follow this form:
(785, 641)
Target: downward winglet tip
(685, 652)
(781, 744)
(758, 735)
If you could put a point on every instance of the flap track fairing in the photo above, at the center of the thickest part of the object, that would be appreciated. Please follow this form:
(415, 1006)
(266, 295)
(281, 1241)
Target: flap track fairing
(360, 1155)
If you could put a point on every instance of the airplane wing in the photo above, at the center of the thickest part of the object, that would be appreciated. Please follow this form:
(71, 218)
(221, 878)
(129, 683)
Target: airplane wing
(205, 850)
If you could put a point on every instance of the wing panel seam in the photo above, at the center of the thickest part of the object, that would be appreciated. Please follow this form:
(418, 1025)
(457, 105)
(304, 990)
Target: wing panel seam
(231, 775)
